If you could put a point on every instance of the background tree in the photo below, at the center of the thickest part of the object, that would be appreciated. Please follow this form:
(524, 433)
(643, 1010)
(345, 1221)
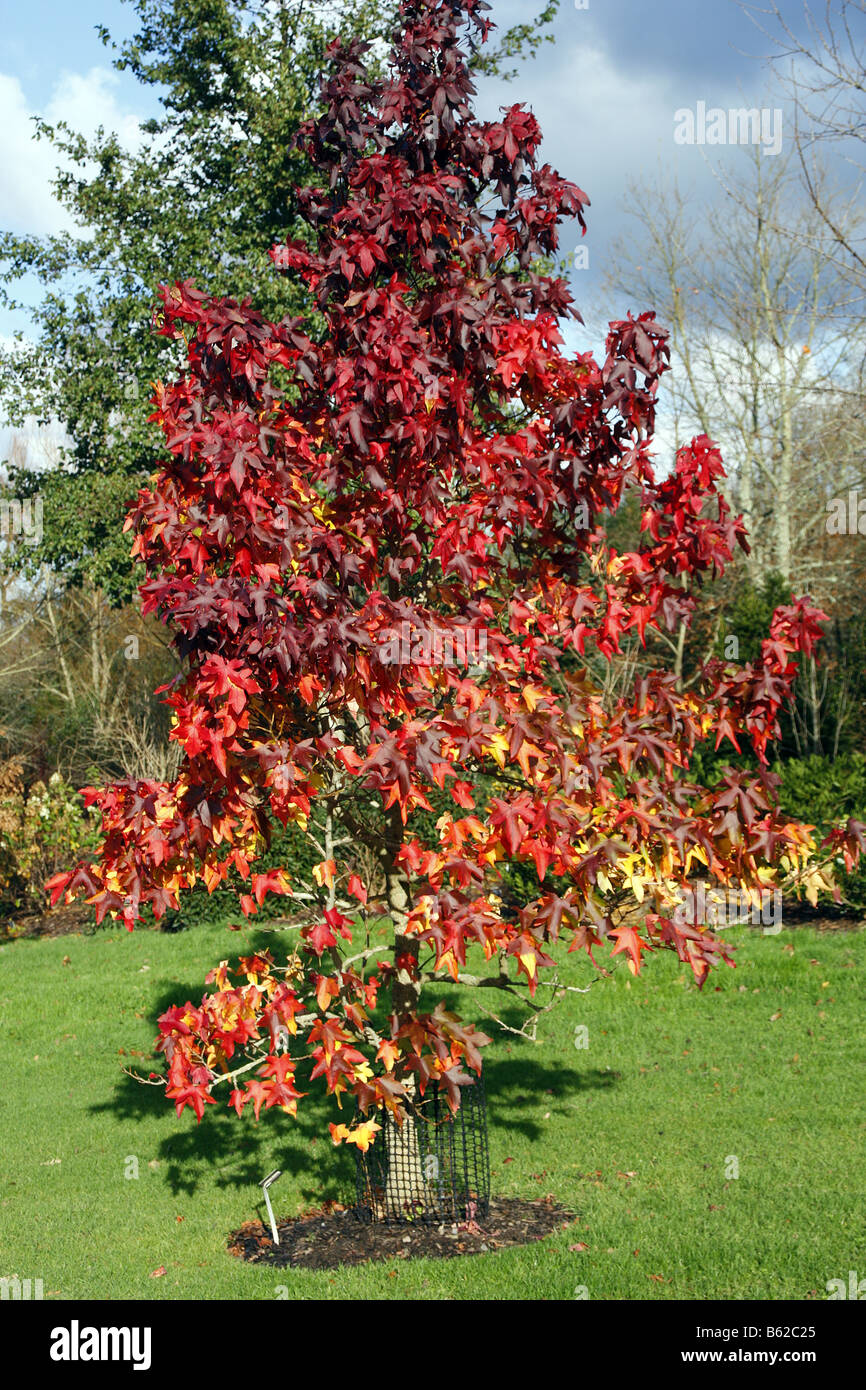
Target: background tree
(423, 456)
(823, 68)
(765, 338)
(210, 186)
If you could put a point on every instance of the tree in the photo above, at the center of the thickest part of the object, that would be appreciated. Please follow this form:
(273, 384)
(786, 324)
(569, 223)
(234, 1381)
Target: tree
(206, 192)
(823, 68)
(766, 340)
(763, 328)
(428, 468)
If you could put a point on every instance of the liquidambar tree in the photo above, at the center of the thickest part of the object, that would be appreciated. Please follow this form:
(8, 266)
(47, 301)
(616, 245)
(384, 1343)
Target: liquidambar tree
(425, 461)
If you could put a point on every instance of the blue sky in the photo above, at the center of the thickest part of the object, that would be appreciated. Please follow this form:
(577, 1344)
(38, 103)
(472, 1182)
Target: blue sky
(42, 39)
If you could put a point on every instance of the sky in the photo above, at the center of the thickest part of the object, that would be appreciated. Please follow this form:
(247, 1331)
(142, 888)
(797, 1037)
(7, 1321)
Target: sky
(606, 93)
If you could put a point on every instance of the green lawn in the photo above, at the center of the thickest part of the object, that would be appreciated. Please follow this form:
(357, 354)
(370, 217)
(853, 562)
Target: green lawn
(638, 1134)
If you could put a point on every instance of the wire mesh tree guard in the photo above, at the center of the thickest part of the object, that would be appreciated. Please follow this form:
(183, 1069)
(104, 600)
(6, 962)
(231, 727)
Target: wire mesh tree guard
(434, 1167)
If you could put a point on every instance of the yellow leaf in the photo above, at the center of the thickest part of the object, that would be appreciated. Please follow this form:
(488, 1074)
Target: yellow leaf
(530, 964)
(699, 853)
(363, 1135)
(497, 748)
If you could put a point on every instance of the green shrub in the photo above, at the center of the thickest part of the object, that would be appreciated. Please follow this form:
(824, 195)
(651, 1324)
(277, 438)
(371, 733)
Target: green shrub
(289, 849)
(825, 792)
(43, 830)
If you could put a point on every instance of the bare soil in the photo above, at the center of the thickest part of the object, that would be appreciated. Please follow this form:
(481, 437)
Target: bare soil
(333, 1235)
(63, 920)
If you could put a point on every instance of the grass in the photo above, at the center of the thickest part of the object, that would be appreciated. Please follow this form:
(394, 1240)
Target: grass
(639, 1134)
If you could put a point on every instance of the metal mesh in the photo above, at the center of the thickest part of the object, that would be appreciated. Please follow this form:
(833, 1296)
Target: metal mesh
(433, 1167)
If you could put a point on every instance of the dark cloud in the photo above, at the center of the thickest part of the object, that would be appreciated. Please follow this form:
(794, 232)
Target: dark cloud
(706, 39)
(608, 89)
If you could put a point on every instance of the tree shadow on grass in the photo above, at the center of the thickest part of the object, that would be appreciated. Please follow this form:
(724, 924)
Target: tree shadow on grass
(521, 1085)
(238, 1153)
(518, 1088)
(231, 1152)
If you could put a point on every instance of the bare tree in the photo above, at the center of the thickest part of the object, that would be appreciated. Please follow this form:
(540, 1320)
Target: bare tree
(824, 72)
(765, 341)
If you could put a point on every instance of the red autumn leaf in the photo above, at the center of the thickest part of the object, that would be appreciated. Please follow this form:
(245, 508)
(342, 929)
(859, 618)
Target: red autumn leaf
(357, 889)
(628, 939)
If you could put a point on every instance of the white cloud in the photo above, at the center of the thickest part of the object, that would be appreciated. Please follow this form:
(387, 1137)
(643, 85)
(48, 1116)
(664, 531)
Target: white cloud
(601, 125)
(26, 203)
(40, 444)
(608, 125)
(88, 100)
(85, 101)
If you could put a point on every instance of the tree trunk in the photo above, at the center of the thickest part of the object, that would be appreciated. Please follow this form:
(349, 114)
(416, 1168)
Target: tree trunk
(405, 1184)
(405, 992)
(406, 1187)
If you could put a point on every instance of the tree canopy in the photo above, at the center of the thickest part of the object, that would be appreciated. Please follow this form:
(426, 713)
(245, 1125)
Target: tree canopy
(419, 459)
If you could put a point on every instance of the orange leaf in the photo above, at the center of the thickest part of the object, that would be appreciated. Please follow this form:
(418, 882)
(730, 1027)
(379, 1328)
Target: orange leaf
(324, 873)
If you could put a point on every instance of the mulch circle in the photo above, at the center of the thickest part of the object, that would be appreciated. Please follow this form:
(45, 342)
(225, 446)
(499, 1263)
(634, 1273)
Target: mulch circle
(333, 1236)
